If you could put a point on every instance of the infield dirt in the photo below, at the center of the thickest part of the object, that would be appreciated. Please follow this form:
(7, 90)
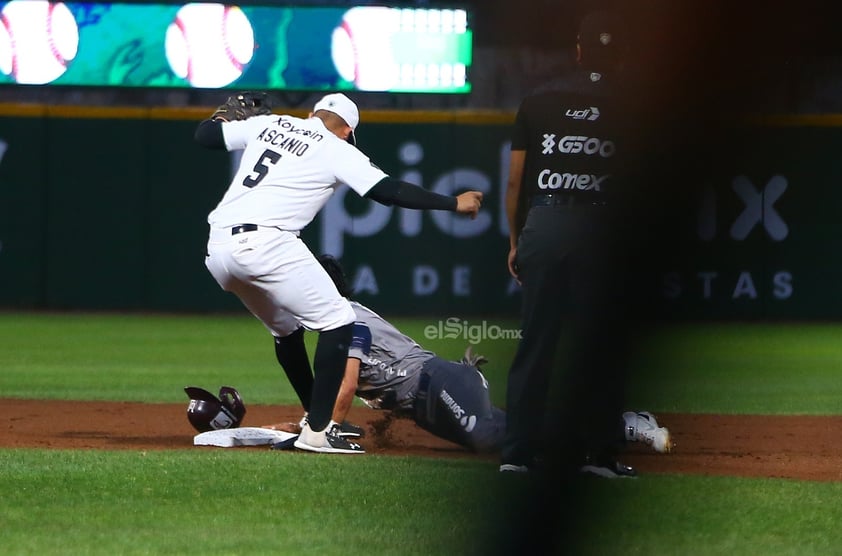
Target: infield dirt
(792, 447)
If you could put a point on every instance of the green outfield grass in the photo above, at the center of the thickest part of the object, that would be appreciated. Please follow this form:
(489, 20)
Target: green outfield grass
(264, 502)
(741, 368)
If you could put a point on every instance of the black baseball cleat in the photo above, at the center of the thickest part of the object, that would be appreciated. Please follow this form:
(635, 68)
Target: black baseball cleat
(349, 430)
(326, 441)
(608, 468)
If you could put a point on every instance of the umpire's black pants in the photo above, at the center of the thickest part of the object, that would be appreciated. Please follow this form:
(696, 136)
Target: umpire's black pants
(564, 403)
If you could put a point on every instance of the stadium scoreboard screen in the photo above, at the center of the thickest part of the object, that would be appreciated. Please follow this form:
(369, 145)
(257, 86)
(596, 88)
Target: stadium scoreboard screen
(219, 46)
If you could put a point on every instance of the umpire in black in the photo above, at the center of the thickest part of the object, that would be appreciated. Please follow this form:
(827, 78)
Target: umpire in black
(564, 389)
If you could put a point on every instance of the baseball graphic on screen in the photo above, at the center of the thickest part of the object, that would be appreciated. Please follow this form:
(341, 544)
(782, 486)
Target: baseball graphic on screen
(38, 40)
(361, 47)
(209, 45)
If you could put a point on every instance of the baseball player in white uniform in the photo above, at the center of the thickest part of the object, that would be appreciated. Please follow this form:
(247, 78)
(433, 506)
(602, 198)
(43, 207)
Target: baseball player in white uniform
(289, 169)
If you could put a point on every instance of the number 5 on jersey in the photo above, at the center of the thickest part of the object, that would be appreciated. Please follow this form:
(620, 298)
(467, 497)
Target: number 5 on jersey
(261, 168)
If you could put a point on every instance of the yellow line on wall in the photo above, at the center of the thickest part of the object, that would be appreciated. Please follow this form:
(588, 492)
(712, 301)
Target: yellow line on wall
(474, 117)
(468, 117)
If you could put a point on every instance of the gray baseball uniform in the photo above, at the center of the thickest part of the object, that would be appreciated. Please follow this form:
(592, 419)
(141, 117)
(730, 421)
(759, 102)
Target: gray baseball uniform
(446, 398)
(390, 361)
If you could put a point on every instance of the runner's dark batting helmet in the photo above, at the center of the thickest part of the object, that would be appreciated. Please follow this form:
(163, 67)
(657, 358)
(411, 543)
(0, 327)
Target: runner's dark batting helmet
(336, 273)
(207, 412)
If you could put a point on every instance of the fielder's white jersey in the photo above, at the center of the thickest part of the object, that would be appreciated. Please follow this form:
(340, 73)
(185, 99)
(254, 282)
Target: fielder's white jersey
(290, 167)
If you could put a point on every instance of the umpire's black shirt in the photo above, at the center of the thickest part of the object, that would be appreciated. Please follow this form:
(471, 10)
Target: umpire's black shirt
(570, 133)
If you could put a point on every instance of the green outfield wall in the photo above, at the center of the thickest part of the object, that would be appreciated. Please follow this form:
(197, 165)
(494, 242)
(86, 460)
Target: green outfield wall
(105, 208)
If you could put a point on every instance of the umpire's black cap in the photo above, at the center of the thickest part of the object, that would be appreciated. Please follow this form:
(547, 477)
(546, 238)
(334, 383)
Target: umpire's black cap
(601, 40)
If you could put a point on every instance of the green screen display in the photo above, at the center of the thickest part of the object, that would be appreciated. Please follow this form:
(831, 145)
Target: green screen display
(218, 46)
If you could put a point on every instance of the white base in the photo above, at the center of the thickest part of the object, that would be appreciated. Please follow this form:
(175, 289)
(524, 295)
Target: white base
(243, 436)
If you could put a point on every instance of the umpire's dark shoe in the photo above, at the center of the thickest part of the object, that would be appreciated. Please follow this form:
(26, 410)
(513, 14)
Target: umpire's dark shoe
(608, 468)
(531, 465)
(513, 468)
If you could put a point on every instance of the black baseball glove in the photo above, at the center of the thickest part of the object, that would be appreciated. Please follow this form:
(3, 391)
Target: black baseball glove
(244, 105)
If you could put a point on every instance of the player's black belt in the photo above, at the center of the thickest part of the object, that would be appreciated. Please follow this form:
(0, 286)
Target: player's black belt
(243, 228)
(559, 199)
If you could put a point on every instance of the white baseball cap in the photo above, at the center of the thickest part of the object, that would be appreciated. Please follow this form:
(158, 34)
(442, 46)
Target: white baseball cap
(343, 107)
